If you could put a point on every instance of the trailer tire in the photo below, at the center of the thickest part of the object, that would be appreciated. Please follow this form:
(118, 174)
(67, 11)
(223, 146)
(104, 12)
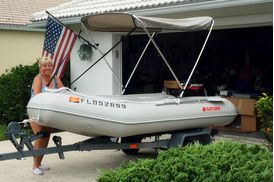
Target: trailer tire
(202, 139)
(131, 140)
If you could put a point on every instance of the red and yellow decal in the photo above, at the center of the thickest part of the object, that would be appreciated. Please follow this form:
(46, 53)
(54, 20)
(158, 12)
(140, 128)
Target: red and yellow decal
(211, 108)
(74, 99)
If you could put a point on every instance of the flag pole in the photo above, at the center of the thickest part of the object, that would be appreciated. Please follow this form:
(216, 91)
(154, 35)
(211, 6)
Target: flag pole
(58, 66)
(78, 34)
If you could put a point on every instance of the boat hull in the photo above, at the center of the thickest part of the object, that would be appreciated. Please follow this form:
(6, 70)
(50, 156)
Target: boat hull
(120, 116)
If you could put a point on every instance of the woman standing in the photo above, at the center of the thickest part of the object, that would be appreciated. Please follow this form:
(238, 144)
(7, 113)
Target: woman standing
(42, 80)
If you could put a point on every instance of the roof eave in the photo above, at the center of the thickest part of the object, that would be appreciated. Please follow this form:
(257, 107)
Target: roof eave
(20, 28)
(205, 5)
(66, 21)
(168, 10)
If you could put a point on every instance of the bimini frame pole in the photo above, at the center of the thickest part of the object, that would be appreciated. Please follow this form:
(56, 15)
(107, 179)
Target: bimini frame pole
(138, 63)
(159, 51)
(194, 67)
(101, 57)
(113, 72)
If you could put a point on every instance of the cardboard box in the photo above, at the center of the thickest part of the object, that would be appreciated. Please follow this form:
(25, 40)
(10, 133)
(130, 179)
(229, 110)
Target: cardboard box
(244, 106)
(242, 123)
(171, 84)
(248, 123)
(247, 107)
(234, 101)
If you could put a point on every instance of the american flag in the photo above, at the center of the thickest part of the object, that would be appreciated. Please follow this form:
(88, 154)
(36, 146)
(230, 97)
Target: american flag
(59, 41)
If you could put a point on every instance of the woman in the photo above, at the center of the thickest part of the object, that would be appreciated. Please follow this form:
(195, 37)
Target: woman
(39, 83)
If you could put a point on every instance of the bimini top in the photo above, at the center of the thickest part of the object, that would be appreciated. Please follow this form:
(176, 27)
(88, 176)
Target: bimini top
(122, 22)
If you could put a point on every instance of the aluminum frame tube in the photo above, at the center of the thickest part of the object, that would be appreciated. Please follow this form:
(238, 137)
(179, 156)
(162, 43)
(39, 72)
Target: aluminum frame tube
(196, 63)
(135, 67)
(159, 51)
(94, 43)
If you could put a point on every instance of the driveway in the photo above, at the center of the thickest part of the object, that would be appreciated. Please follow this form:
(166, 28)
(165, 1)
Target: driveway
(84, 166)
(77, 166)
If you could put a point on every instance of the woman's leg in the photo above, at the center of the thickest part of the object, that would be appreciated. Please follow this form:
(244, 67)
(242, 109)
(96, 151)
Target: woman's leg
(39, 143)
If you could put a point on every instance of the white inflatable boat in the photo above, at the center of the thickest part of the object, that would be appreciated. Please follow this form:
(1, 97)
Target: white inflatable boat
(120, 116)
(130, 115)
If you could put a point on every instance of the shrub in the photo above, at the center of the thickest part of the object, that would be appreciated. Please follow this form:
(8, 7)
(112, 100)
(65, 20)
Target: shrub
(15, 91)
(264, 108)
(220, 161)
(2, 132)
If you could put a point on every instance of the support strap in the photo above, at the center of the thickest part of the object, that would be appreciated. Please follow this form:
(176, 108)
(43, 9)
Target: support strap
(58, 142)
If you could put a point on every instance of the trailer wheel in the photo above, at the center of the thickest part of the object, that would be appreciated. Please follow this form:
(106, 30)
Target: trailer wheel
(202, 139)
(131, 140)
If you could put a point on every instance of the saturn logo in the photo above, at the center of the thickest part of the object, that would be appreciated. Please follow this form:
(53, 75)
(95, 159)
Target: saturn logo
(204, 109)
(211, 108)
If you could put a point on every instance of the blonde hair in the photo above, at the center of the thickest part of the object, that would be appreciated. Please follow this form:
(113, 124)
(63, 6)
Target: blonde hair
(44, 60)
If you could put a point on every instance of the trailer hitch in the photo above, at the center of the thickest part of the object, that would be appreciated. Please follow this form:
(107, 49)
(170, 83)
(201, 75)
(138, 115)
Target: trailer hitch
(14, 131)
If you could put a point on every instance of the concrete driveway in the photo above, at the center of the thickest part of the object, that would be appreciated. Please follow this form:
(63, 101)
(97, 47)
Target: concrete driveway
(77, 166)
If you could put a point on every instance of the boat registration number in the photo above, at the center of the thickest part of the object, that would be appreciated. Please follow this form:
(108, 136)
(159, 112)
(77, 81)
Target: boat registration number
(97, 102)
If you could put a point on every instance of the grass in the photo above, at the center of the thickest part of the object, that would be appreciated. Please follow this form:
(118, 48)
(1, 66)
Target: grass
(2, 132)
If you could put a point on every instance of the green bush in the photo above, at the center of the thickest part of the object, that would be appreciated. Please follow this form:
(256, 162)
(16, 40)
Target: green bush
(264, 108)
(15, 91)
(15, 88)
(221, 161)
(2, 132)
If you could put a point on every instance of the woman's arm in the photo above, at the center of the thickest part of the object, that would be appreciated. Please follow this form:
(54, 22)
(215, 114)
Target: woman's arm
(36, 85)
(59, 83)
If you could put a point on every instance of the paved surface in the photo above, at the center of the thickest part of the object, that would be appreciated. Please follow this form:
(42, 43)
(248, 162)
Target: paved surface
(78, 166)
(248, 138)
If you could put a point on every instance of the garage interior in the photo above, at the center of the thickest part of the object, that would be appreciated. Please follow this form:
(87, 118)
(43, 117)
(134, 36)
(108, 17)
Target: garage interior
(237, 61)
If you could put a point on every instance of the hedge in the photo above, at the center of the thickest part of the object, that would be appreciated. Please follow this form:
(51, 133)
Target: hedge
(222, 161)
(15, 87)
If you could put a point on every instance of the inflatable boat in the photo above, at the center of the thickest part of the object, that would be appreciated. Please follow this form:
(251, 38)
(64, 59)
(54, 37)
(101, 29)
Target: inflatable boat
(138, 114)
(127, 115)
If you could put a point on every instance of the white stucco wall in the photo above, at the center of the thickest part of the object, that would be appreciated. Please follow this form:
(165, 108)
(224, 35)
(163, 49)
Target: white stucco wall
(99, 80)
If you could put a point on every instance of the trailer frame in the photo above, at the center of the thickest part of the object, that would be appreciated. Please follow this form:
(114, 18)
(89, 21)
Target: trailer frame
(20, 139)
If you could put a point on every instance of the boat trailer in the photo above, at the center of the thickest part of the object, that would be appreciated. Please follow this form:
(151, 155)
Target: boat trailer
(129, 145)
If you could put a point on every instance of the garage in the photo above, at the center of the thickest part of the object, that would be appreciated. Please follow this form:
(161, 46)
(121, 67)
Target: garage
(236, 60)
